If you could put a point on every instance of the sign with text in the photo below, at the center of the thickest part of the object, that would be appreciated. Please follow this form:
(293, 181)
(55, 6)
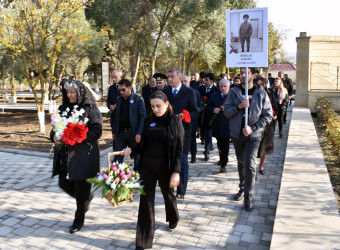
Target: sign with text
(105, 78)
(247, 38)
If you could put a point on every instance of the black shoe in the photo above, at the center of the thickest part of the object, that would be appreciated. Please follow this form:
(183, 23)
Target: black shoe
(76, 226)
(248, 205)
(193, 159)
(262, 172)
(211, 149)
(173, 226)
(219, 163)
(139, 248)
(280, 135)
(202, 142)
(180, 197)
(206, 158)
(238, 196)
(223, 170)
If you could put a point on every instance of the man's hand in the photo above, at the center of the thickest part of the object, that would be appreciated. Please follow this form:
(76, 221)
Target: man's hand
(137, 138)
(126, 151)
(113, 107)
(174, 180)
(114, 136)
(243, 104)
(247, 131)
(217, 110)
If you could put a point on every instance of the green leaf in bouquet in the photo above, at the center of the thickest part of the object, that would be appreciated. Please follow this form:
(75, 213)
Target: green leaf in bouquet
(123, 191)
(106, 190)
(140, 190)
(116, 198)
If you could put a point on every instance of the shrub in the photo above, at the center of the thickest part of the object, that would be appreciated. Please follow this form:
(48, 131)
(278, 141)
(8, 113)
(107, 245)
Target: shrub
(331, 121)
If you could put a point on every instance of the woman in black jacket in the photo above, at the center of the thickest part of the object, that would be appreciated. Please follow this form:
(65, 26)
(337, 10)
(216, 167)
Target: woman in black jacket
(267, 142)
(76, 163)
(160, 153)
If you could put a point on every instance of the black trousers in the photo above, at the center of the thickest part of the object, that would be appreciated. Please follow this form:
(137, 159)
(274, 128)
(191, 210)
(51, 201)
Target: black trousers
(123, 139)
(80, 190)
(193, 143)
(207, 136)
(280, 117)
(223, 150)
(246, 153)
(247, 39)
(146, 215)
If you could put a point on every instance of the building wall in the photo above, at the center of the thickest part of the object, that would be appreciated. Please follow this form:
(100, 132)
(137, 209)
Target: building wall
(324, 49)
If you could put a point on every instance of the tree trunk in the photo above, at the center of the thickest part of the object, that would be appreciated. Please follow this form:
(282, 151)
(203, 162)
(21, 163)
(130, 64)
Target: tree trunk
(136, 70)
(153, 65)
(14, 94)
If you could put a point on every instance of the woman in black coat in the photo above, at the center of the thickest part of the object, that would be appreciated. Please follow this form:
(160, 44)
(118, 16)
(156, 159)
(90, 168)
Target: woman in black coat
(267, 142)
(76, 163)
(160, 153)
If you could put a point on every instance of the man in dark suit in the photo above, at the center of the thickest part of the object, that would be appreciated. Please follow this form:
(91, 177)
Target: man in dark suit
(128, 118)
(147, 90)
(182, 98)
(220, 123)
(194, 126)
(206, 91)
(113, 93)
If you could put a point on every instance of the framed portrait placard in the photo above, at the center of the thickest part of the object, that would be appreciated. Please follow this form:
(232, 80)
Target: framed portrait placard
(247, 38)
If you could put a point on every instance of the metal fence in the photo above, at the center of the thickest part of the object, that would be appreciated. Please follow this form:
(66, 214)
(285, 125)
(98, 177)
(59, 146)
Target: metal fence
(324, 76)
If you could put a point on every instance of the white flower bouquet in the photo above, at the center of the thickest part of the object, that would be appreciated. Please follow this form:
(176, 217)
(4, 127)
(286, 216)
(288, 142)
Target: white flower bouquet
(118, 183)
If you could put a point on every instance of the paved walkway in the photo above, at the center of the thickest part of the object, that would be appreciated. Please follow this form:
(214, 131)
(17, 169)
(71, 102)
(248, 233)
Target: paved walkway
(35, 213)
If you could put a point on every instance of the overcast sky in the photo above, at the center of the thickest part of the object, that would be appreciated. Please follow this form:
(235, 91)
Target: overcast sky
(316, 17)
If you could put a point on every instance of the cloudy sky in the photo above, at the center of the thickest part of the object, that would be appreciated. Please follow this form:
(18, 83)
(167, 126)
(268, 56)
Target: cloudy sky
(294, 16)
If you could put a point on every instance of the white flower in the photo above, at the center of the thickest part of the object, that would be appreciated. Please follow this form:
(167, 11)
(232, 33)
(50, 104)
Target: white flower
(113, 186)
(100, 178)
(64, 113)
(86, 120)
(137, 185)
(75, 106)
(108, 181)
(67, 109)
(121, 166)
(82, 111)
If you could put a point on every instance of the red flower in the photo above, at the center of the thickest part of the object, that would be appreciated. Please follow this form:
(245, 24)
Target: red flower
(185, 115)
(74, 133)
(223, 103)
(273, 112)
(204, 97)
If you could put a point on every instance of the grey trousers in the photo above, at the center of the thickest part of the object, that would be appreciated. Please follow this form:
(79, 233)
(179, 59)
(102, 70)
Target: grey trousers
(246, 153)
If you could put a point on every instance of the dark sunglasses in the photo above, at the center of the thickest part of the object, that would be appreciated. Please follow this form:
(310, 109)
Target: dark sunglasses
(122, 90)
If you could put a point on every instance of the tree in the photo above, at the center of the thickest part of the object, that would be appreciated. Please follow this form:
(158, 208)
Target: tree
(37, 34)
(274, 43)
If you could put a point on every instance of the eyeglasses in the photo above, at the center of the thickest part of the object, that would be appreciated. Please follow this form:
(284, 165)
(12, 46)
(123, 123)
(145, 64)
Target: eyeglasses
(122, 90)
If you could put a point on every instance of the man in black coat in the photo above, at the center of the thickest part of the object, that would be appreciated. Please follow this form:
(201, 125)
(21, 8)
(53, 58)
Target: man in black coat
(113, 93)
(182, 98)
(147, 90)
(128, 118)
(206, 91)
(194, 126)
(220, 123)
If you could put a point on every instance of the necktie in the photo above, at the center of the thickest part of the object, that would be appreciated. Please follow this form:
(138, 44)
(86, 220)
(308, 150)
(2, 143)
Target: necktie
(207, 90)
(175, 92)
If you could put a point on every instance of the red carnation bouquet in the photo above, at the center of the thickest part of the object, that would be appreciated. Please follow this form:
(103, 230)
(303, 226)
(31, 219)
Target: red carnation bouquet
(185, 115)
(74, 133)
